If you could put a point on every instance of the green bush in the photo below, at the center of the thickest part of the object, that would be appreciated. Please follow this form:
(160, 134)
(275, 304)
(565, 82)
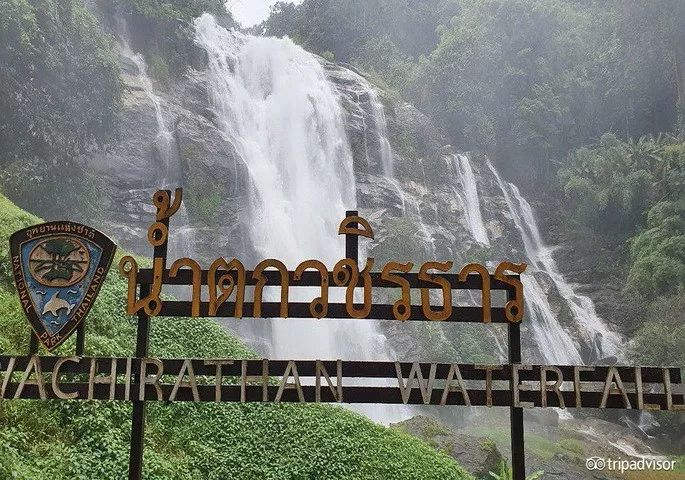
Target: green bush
(160, 70)
(401, 242)
(573, 445)
(36, 183)
(328, 55)
(660, 338)
(658, 253)
(13, 219)
(171, 9)
(60, 94)
(634, 190)
(203, 199)
(162, 30)
(660, 343)
(609, 187)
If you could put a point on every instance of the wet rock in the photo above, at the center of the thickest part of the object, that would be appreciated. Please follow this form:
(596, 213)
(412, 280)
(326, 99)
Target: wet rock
(546, 417)
(478, 455)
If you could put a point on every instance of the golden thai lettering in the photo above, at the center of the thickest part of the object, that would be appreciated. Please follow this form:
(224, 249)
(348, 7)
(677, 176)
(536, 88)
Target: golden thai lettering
(258, 275)
(226, 284)
(225, 277)
(196, 270)
(513, 309)
(485, 286)
(165, 207)
(401, 309)
(319, 306)
(446, 310)
(363, 228)
(151, 303)
(346, 273)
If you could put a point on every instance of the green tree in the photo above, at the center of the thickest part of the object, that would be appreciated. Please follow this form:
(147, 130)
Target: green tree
(59, 80)
(344, 28)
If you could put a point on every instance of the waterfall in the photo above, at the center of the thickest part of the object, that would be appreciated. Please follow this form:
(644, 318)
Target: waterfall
(273, 101)
(373, 122)
(164, 143)
(468, 195)
(381, 124)
(560, 347)
(183, 237)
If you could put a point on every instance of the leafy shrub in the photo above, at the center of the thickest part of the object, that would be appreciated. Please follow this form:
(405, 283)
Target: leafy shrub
(203, 199)
(35, 183)
(608, 189)
(573, 445)
(162, 30)
(160, 70)
(634, 190)
(13, 219)
(659, 340)
(402, 240)
(171, 9)
(658, 253)
(328, 55)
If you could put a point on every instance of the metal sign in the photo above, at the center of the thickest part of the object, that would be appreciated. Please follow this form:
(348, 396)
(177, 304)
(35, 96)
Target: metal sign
(227, 279)
(328, 381)
(59, 268)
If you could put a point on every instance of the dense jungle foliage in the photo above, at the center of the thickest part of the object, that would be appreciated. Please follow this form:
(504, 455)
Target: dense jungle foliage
(524, 80)
(59, 96)
(89, 440)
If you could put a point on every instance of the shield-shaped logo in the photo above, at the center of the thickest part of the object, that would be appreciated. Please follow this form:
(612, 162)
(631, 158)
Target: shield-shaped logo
(59, 268)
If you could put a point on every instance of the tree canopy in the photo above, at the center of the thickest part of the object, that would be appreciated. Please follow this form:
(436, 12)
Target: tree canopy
(59, 80)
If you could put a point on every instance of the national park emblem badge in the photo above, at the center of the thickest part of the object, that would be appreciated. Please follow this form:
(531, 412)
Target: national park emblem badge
(58, 269)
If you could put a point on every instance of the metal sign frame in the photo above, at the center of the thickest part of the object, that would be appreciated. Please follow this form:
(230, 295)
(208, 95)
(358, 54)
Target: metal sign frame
(146, 277)
(503, 383)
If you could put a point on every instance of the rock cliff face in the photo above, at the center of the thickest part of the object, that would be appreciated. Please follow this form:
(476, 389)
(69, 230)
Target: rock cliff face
(478, 455)
(204, 163)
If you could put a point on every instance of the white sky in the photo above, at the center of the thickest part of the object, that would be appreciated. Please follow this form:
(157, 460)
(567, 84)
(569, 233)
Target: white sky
(251, 12)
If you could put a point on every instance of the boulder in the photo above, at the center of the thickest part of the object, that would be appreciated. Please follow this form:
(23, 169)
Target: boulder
(478, 455)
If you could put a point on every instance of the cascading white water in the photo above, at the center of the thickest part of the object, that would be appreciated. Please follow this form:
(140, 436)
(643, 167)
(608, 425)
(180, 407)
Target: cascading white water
(273, 101)
(468, 194)
(164, 141)
(410, 206)
(183, 237)
(275, 104)
(545, 325)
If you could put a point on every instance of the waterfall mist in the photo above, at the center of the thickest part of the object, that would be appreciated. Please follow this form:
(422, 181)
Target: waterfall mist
(274, 102)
